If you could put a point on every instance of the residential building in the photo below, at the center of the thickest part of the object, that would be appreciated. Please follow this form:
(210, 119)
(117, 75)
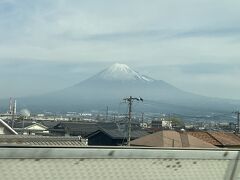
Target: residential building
(113, 137)
(169, 138)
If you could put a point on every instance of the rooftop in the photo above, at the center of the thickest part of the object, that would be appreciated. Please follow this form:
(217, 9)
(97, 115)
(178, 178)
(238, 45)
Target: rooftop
(171, 139)
(218, 138)
(119, 163)
(24, 140)
(118, 134)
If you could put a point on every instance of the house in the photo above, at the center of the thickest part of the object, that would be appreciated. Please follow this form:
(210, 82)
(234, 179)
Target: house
(219, 139)
(156, 124)
(30, 128)
(161, 124)
(6, 129)
(49, 124)
(113, 137)
(169, 138)
(79, 128)
(73, 129)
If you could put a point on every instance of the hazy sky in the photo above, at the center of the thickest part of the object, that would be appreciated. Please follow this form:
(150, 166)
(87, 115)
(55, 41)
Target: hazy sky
(47, 45)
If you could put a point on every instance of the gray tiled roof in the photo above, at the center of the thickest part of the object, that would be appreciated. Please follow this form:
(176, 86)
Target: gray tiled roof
(41, 140)
(118, 134)
(50, 124)
(76, 127)
(81, 128)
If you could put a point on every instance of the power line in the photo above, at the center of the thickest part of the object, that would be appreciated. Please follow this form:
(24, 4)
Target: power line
(130, 101)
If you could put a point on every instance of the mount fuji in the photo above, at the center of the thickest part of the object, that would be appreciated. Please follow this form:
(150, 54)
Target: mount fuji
(110, 86)
(120, 72)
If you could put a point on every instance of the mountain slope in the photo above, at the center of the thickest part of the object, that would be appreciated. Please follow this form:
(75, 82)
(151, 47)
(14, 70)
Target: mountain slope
(111, 85)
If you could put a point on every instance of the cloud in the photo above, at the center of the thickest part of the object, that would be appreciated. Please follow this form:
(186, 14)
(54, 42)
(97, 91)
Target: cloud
(209, 68)
(191, 39)
(232, 32)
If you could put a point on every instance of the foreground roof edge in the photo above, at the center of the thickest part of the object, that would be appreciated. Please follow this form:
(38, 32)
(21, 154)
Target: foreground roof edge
(8, 127)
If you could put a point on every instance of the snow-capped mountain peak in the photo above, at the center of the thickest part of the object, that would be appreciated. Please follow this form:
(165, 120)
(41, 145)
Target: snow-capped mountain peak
(119, 67)
(121, 72)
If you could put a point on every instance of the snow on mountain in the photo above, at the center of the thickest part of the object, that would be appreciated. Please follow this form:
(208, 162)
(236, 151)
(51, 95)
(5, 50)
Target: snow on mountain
(121, 72)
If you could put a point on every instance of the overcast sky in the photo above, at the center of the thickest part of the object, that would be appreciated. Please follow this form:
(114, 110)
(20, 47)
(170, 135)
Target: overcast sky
(48, 45)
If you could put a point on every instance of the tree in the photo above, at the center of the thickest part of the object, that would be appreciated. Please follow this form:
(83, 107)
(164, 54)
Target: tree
(176, 121)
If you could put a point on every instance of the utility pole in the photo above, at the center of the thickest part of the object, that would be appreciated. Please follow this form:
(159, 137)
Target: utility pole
(107, 114)
(238, 115)
(114, 117)
(130, 101)
(142, 119)
(13, 113)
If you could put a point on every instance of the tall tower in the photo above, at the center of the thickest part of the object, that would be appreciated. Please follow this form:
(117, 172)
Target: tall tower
(10, 106)
(15, 107)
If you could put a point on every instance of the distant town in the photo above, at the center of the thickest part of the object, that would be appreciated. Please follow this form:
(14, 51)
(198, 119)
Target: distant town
(110, 128)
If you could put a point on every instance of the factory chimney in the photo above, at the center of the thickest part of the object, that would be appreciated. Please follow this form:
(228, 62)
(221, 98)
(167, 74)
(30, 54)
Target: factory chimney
(15, 107)
(10, 106)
